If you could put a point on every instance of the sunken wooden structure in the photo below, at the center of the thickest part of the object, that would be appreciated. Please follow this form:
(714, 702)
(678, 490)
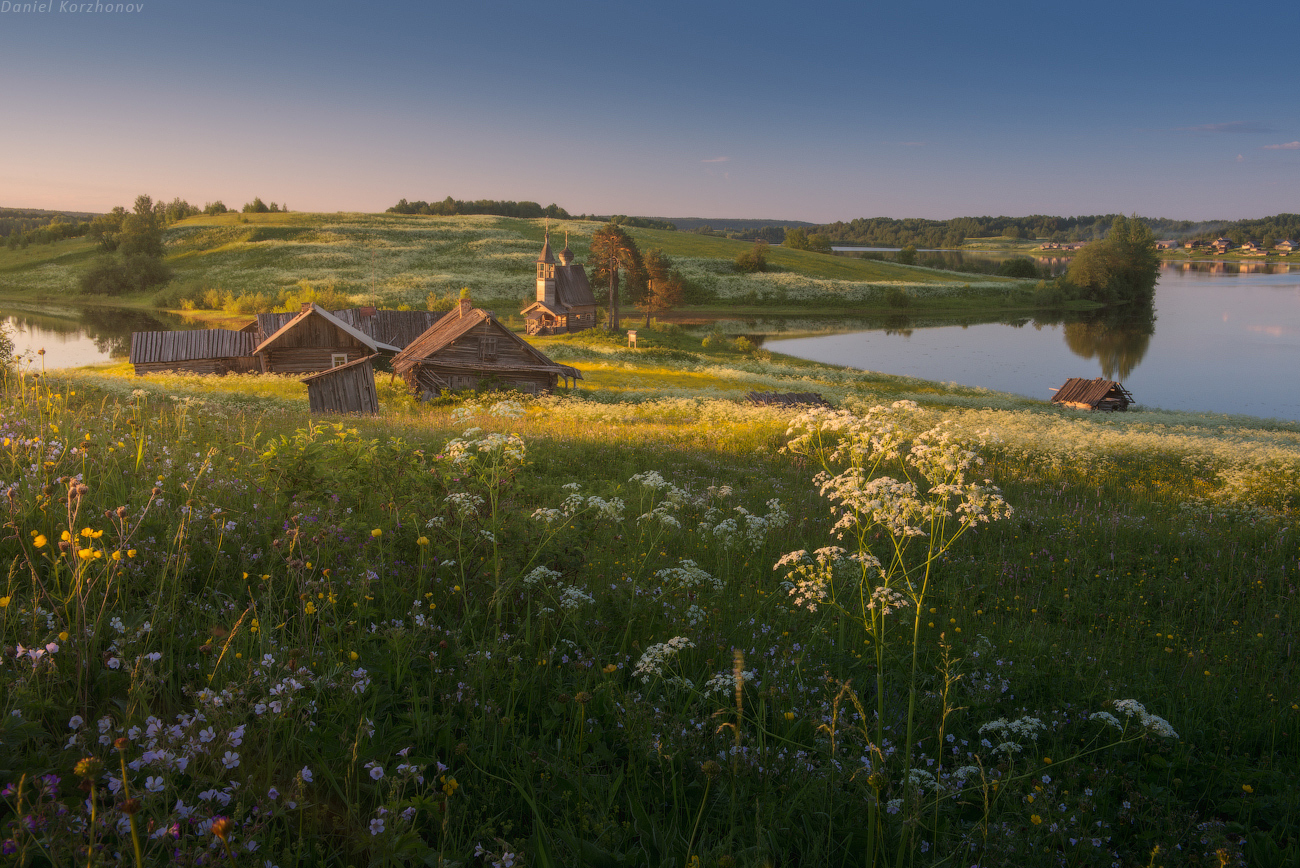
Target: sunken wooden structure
(348, 388)
(1098, 394)
(201, 351)
(565, 302)
(469, 349)
(787, 399)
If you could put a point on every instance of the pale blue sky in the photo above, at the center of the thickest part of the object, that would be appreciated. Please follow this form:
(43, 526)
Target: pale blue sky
(818, 112)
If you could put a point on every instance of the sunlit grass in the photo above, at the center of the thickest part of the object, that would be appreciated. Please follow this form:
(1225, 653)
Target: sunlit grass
(1149, 556)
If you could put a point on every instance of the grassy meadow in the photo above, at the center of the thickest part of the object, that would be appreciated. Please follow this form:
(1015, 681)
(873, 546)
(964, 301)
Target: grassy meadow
(642, 624)
(240, 261)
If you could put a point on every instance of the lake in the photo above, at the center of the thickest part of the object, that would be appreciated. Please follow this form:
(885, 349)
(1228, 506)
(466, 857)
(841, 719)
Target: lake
(1226, 339)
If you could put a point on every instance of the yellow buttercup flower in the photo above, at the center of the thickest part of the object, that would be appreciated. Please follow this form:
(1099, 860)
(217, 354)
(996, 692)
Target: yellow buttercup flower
(376, 533)
(40, 541)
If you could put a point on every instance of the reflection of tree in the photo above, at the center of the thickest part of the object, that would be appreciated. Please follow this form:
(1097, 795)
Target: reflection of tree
(111, 328)
(1117, 339)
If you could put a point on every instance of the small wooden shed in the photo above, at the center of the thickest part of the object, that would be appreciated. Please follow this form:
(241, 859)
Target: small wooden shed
(348, 388)
(468, 349)
(198, 351)
(1098, 394)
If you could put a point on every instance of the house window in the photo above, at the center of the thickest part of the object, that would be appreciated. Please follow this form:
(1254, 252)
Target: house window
(487, 348)
(337, 359)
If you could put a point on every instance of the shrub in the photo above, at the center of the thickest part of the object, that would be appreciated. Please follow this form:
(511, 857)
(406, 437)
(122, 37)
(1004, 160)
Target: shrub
(1021, 266)
(118, 277)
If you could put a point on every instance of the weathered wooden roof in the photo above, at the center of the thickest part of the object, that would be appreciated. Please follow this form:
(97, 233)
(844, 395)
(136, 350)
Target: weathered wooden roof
(1078, 390)
(571, 286)
(446, 330)
(181, 346)
(316, 310)
(395, 327)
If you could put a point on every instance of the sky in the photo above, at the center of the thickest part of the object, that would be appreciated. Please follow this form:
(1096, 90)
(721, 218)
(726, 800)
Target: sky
(814, 111)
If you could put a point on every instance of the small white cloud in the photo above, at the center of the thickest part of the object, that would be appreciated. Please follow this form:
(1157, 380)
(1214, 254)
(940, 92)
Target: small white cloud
(1230, 127)
(716, 160)
(1289, 146)
(1240, 158)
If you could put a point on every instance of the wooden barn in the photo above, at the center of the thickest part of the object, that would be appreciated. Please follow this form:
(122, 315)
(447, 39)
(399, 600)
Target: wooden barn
(564, 302)
(315, 340)
(201, 351)
(469, 349)
(348, 388)
(1095, 394)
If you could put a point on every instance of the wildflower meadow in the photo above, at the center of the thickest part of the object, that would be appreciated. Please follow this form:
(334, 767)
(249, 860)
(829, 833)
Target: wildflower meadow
(634, 628)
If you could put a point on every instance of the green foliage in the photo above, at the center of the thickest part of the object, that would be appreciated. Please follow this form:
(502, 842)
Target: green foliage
(124, 275)
(450, 207)
(1121, 268)
(1019, 266)
(213, 208)
(326, 296)
(897, 297)
(753, 260)
(907, 256)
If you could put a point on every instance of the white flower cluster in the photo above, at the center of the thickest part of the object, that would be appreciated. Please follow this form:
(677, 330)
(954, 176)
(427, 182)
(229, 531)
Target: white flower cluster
(1131, 708)
(724, 683)
(574, 503)
(687, 575)
(492, 447)
(747, 529)
(658, 656)
(1013, 732)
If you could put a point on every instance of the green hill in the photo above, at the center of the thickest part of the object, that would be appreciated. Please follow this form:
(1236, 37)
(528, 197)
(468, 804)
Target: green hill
(393, 260)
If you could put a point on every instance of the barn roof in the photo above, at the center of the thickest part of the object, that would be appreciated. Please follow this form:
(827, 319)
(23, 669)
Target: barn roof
(446, 330)
(1078, 390)
(316, 310)
(180, 346)
(395, 327)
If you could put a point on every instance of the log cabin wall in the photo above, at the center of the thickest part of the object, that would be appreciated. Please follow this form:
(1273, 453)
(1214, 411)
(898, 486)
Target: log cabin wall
(310, 347)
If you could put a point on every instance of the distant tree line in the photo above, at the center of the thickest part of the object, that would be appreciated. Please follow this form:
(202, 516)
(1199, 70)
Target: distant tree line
(40, 226)
(1263, 230)
(497, 208)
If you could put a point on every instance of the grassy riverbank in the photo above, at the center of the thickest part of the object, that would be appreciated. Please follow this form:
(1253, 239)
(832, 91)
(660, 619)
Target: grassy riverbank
(553, 627)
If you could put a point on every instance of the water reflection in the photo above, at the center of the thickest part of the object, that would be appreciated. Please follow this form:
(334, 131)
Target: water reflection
(81, 336)
(1117, 340)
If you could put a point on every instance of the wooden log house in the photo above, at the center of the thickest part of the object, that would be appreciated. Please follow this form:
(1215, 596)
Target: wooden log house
(1098, 394)
(315, 340)
(469, 349)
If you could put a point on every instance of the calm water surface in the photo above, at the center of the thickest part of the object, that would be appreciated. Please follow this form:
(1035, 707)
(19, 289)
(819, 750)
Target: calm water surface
(1226, 339)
